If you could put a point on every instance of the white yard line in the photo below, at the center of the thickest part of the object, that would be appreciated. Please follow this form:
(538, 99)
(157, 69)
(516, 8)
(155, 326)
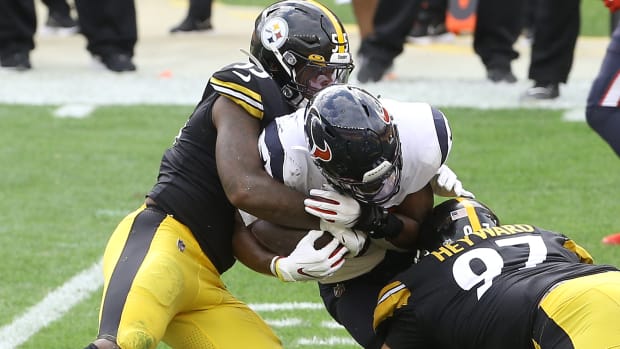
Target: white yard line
(52, 307)
(81, 286)
(74, 111)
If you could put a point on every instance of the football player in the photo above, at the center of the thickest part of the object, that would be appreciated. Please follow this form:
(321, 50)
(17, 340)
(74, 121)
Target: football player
(485, 285)
(602, 112)
(377, 160)
(163, 263)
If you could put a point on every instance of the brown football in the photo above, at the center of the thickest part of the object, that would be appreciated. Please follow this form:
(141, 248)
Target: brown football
(282, 240)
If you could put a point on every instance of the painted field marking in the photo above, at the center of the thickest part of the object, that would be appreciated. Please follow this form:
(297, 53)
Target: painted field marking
(52, 307)
(74, 111)
(81, 286)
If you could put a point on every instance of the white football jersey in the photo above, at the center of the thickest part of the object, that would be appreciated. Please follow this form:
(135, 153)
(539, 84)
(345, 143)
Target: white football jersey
(425, 138)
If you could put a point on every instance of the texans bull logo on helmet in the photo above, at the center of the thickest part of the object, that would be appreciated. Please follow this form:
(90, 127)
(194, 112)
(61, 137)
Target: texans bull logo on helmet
(319, 148)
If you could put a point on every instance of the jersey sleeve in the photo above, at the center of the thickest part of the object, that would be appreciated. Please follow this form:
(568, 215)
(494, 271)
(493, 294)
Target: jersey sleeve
(251, 88)
(395, 320)
(283, 149)
(426, 141)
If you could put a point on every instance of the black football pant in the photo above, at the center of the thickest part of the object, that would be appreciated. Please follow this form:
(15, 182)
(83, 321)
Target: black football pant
(199, 9)
(556, 27)
(352, 302)
(110, 26)
(392, 22)
(18, 24)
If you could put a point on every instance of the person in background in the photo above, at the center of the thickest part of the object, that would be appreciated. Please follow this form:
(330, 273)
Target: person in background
(111, 32)
(557, 27)
(393, 20)
(487, 286)
(59, 19)
(602, 110)
(198, 17)
(109, 27)
(430, 23)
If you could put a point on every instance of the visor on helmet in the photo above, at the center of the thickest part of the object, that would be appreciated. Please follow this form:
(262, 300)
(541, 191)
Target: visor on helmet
(377, 190)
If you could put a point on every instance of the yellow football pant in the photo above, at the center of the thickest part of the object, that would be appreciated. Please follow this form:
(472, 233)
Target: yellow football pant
(581, 313)
(159, 285)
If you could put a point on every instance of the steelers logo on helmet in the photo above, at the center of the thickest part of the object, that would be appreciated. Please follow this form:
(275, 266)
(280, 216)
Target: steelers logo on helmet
(275, 33)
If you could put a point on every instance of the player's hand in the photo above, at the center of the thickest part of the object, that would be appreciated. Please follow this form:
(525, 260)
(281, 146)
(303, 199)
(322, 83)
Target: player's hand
(306, 262)
(445, 183)
(353, 240)
(333, 207)
(612, 5)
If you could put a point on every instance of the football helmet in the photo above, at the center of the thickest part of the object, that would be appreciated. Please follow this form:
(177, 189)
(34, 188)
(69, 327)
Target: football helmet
(303, 46)
(454, 219)
(354, 143)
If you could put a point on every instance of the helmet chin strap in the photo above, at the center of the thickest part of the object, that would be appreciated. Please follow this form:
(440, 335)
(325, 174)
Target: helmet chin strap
(295, 98)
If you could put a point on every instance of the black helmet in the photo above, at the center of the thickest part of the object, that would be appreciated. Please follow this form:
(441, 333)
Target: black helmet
(354, 142)
(454, 219)
(303, 46)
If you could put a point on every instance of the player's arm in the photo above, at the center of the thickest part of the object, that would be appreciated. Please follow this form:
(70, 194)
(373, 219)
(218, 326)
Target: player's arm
(295, 258)
(412, 211)
(246, 183)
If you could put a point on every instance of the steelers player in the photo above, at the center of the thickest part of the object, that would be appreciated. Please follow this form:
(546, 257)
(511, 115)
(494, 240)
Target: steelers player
(381, 158)
(487, 286)
(163, 263)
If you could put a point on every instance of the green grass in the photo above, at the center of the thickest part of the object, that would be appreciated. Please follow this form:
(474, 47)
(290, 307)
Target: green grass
(68, 182)
(595, 17)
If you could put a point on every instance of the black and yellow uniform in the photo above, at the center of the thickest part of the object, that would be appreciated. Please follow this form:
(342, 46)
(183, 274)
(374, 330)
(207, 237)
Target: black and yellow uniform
(163, 262)
(510, 287)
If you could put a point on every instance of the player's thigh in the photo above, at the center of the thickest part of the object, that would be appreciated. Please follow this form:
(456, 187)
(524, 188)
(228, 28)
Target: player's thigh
(148, 280)
(586, 309)
(231, 324)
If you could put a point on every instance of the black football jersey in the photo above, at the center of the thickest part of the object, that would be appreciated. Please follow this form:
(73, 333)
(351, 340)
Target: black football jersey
(479, 292)
(188, 185)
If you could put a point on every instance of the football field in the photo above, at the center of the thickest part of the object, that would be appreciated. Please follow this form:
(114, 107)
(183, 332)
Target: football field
(80, 148)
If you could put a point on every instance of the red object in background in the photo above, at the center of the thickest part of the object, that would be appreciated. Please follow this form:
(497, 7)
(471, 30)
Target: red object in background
(613, 239)
(461, 16)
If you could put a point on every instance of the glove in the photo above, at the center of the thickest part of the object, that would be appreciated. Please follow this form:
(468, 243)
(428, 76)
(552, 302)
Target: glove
(612, 5)
(339, 209)
(306, 262)
(353, 240)
(445, 183)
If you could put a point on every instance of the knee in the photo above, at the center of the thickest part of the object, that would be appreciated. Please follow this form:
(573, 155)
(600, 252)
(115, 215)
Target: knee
(136, 339)
(102, 344)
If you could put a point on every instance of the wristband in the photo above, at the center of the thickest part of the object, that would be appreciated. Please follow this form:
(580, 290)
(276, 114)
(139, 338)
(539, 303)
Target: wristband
(272, 266)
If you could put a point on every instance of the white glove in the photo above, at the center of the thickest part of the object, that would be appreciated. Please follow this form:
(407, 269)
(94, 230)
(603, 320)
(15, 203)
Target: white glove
(445, 183)
(340, 209)
(308, 263)
(354, 240)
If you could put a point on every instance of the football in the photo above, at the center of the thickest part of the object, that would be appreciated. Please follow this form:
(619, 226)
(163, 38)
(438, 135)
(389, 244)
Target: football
(282, 240)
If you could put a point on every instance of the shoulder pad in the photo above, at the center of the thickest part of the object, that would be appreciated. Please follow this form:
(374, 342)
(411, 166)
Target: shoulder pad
(250, 87)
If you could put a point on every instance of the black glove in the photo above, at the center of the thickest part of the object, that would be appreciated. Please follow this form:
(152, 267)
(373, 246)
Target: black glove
(377, 222)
